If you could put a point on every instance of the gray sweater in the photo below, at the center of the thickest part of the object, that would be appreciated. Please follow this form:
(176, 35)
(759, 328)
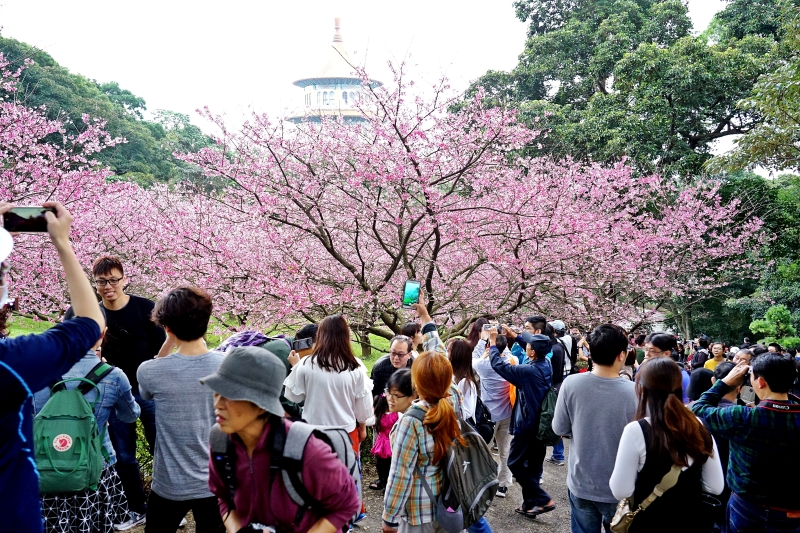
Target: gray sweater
(594, 411)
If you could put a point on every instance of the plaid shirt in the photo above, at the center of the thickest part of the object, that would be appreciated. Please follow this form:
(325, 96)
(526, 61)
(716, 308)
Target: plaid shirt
(413, 445)
(764, 441)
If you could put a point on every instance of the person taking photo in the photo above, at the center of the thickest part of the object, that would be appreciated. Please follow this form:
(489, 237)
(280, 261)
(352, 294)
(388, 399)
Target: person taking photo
(33, 362)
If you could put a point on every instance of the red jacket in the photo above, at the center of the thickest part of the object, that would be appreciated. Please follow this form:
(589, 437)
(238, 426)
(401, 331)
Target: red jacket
(324, 475)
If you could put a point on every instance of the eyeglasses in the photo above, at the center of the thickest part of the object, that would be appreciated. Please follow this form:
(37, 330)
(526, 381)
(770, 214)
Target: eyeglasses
(395, 396)
(654, 351)
(398, 355)
(111, 281)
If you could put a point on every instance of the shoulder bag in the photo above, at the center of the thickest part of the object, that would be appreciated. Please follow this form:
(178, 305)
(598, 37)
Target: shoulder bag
(623, 518)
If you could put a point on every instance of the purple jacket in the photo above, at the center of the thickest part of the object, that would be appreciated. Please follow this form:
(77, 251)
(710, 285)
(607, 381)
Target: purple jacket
(324, 475)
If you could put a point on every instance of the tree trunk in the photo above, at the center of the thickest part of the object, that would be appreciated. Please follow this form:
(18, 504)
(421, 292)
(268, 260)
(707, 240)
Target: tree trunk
(686, 323)
(366, 347)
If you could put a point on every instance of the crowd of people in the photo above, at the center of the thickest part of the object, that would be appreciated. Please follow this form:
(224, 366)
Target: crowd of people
(264, 433)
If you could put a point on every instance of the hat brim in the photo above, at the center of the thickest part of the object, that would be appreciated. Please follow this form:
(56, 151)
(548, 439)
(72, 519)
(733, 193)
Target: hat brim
(236, 391)
(6, 244)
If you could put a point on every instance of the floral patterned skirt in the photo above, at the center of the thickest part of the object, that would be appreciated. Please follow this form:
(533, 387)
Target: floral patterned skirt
(88, 511)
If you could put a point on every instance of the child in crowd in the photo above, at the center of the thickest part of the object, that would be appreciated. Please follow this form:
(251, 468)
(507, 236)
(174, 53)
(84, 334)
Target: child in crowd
(388, 407)
(381, 448)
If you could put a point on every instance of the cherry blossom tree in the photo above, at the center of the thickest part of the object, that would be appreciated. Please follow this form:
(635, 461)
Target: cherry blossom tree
(41, 161)
(349, 211)
(332, 217)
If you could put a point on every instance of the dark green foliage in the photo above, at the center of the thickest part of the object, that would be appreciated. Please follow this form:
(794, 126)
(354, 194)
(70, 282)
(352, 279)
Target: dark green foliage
(146, 157)
(774, 142)
(751, 17)
(625, 78)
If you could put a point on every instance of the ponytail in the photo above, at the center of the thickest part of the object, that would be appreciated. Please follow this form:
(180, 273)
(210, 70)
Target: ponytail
(380, 406)
(432, 376)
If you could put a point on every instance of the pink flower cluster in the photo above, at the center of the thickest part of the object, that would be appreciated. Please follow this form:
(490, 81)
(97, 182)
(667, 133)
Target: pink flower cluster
(327, 217)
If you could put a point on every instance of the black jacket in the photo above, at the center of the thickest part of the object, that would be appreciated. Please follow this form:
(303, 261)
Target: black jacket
(532, 380)
(382, 371)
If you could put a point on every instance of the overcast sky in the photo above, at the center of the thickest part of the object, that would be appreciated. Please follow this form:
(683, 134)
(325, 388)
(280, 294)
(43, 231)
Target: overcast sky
(236, 55)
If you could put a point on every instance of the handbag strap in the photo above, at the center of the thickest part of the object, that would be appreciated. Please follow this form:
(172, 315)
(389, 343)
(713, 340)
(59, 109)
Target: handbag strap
(669, 480)
(425, 485)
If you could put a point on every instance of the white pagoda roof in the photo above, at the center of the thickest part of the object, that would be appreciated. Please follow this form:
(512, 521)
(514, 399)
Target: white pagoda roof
(337, 68)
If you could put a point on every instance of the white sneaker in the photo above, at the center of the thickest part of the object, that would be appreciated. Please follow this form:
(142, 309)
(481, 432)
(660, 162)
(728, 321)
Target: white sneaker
(134, 519)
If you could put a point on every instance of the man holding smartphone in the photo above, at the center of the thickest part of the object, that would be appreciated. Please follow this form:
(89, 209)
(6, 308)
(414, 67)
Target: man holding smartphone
(132, 338)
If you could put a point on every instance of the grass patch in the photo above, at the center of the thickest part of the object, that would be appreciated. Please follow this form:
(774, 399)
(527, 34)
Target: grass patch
(20, 325)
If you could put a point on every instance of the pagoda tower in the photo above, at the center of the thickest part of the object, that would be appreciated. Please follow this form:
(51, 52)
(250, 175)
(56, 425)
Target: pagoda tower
(335, 90)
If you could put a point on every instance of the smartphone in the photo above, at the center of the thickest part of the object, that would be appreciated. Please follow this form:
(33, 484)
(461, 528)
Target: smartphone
(26, 219)
(302, 344)
(489, 327)
(411, 293)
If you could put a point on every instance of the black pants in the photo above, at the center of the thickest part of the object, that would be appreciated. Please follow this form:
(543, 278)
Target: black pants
(123, 438)
(164, 516)
(526, 462)
(383, 466)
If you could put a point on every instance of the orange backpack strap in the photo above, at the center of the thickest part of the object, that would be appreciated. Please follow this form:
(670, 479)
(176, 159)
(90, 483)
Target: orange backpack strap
(512, 390)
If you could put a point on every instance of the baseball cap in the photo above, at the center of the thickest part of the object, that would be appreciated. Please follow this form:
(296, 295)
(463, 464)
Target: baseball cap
(558, 325)
(541, 344)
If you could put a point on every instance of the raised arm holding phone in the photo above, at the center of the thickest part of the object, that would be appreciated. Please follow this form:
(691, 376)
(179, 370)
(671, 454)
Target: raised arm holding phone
(33, 362)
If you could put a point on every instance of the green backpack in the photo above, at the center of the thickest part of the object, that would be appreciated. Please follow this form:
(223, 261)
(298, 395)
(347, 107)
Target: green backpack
(67, 443)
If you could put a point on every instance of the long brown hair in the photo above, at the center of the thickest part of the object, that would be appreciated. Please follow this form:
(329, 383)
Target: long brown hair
(475, 332)
(677, 433)
(461, 359)
(332, 350)
(432, 377)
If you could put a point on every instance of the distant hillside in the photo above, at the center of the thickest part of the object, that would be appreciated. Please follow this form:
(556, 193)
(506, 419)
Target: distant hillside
(147, 156)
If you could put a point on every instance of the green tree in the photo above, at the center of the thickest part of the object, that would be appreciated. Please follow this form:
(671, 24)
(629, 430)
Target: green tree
(777, 323)
(750, 17)
(145, 157)
(123, 98)
(614, 79)
(775, 141)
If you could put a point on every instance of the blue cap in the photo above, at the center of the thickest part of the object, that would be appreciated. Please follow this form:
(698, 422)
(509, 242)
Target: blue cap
(541, 344)
(524, 338)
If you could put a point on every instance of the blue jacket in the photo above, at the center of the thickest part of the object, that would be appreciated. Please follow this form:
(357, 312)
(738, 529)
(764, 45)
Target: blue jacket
(532, 380)
(115, 393)
(30, 363)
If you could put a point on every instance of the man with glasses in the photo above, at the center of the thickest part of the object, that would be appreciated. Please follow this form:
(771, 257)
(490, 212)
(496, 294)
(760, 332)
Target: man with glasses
(762, 466)
(399, 356)
(131, 339)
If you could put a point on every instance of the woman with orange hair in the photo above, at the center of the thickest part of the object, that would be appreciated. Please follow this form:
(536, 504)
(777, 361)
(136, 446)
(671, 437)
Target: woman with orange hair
(664, 434)
(419, 446)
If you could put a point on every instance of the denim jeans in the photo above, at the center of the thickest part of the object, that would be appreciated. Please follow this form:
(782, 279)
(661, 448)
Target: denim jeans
(588, 516)
(123, 438)
(746, 517)
(558, 450)
(481, 526)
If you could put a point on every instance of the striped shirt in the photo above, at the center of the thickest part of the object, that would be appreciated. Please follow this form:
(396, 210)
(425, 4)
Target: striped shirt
(762, 466)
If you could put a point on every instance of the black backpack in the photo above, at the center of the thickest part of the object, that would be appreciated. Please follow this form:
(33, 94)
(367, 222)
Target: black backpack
(482, 421)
